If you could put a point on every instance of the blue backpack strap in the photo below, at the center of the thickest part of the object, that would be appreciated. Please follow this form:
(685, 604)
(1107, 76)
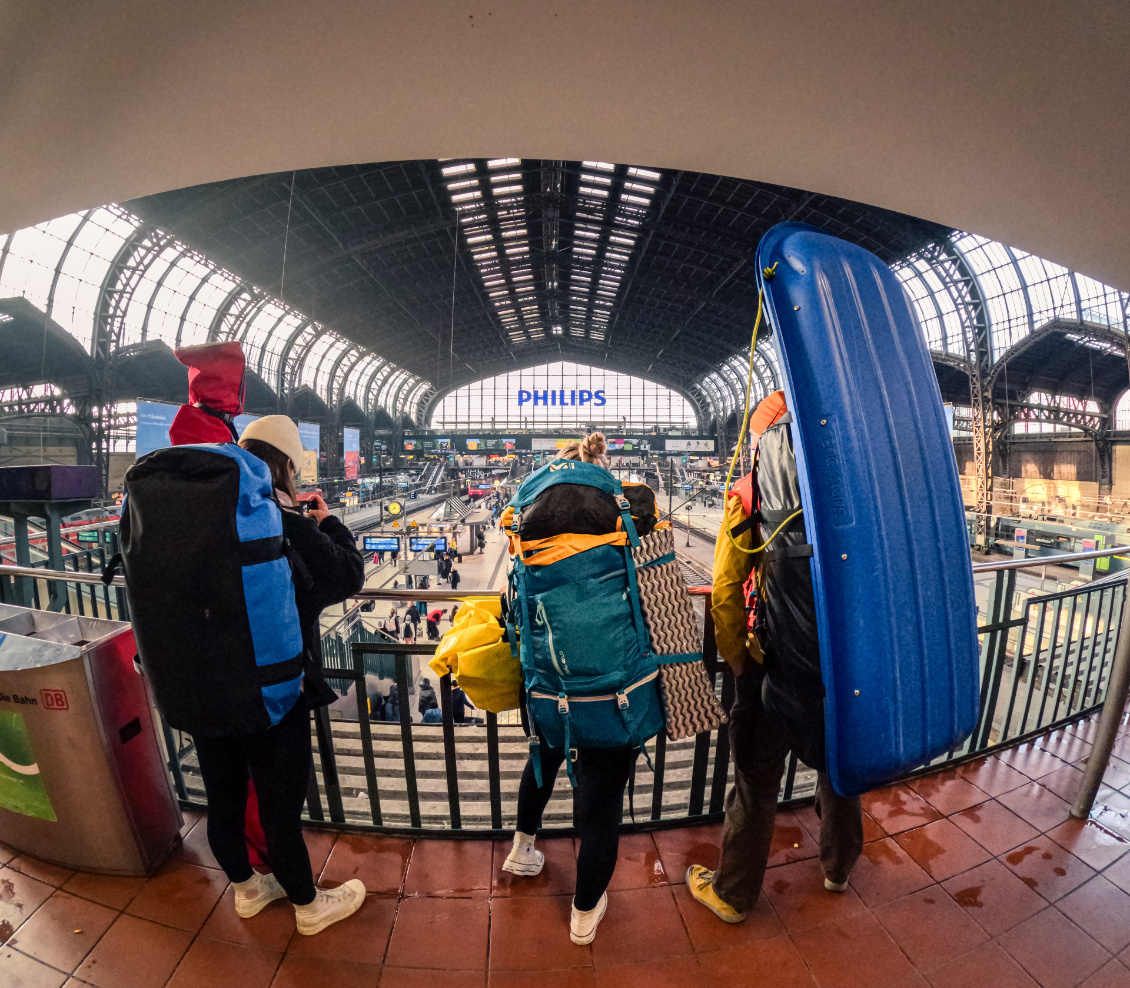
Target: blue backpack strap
(563, 712)
(563, 472)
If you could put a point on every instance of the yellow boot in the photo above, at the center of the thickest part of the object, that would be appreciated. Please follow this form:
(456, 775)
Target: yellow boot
(700, 882)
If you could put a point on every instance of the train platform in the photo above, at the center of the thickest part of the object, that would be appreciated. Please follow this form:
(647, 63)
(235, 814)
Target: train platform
(976, 875)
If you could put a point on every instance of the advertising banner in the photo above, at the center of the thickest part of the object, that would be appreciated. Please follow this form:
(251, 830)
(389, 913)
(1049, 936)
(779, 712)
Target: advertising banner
(550, 442)
(153, 421)
(21, 786)
(352, 443)
(689, 445)
(310, 434)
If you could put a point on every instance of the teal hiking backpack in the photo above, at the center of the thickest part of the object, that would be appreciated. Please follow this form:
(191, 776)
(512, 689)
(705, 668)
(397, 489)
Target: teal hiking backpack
(589, 670)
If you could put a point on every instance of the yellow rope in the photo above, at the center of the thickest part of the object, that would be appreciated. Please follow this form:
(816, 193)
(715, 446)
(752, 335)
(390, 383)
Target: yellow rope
(768, 272)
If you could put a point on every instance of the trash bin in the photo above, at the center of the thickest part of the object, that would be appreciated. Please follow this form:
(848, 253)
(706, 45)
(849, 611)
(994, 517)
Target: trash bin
(83, 780)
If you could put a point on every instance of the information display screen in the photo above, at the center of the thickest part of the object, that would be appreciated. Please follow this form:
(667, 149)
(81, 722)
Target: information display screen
(382, 543)
(426, 543)
(88, 536)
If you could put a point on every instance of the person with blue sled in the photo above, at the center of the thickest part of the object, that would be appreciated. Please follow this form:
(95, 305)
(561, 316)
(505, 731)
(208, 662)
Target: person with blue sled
(773, 649)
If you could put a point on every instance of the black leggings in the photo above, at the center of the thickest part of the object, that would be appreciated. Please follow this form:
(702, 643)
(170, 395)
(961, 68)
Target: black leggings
(279, 762)
(602, 774)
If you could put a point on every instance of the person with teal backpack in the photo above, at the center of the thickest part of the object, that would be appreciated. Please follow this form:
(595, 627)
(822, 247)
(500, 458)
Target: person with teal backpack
(590, 677)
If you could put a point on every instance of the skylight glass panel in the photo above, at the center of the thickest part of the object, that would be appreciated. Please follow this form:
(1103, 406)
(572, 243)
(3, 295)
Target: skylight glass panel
(462, 169)
(644, 173)
(640, 187)
(503, 189)
(602, 166)
(503, 162)
(469, 183)
(597, 179)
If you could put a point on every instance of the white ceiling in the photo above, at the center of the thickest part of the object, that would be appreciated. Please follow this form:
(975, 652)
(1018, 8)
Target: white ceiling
(1008, 119)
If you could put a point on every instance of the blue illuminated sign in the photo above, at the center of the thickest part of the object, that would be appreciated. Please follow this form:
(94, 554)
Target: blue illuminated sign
(558, 397)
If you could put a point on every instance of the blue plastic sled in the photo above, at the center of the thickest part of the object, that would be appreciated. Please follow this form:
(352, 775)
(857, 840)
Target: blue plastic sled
(891, 569)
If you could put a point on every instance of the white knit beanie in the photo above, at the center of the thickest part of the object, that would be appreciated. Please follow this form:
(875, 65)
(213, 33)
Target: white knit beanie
(278, 431)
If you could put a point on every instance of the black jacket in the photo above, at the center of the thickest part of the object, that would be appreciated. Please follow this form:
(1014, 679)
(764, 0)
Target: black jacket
(335, 570)
(793, 687)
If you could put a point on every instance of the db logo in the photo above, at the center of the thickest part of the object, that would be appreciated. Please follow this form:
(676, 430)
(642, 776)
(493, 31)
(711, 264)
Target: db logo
(54, 699)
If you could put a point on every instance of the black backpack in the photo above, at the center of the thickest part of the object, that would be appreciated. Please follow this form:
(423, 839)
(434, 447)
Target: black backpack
(211, 589)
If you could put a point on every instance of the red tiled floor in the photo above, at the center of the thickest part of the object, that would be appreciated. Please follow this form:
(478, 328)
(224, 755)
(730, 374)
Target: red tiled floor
(1117, 774)
(49, 874)
(215, 964)
(808, 819)
(1102, 909)
(135, 953)
(20, 896)
(531, 933)
(948, 792)
(1030, 760)
(558, 874)
(855, 951)
(1046, 867)
(1066, 745)
(380, 862)
(885, 872)
(797, 894)
(994, 897)
(898, 808)
(640, 925)
(745, 964)
(1034, 804)
(180, 895)
(791, 841)
(63, 930)
(708, 932)
(638, 865)
(1064, 782)
(1112, 810)
(679, 849)
(115, 891)
(670, 972)
(449, 867)
(942, 850)
(423, 936)
(21, 971)
(988, 965)
(1090, 842)
(1053, 949)
(326, 972)
(992, 776)
(930, 928)
(994, 826)
(1111, 975)
(968, 890)
(194, 847)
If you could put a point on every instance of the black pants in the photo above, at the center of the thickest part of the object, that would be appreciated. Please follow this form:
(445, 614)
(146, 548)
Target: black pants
(602, 774)
(279, 762)
(760, 743)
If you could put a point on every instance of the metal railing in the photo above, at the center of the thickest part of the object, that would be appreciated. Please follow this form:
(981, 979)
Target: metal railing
(1045, 660)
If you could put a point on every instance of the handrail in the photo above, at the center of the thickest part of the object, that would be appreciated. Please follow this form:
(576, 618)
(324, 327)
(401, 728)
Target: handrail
(1066, 557)
(405, 594)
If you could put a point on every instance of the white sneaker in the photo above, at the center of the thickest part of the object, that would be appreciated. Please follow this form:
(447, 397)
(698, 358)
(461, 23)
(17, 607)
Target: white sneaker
(582, 925)
(258, 891)
(330, 906)
(835, 886)
(523, 859)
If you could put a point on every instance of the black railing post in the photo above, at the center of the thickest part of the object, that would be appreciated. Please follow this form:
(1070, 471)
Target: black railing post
(366, 732)
(450, 767)
(494, 775)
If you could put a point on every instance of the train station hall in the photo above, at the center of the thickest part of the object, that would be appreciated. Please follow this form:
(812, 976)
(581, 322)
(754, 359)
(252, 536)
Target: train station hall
(599, 495)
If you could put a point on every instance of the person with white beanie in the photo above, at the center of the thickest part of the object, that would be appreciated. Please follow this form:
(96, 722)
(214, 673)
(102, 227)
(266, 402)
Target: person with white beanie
(279, 759)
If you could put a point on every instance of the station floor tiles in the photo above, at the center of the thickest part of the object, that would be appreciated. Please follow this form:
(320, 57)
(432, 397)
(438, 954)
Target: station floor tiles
(972, 876)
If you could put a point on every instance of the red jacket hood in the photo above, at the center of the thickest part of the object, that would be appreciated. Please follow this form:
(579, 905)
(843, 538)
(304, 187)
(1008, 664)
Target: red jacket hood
(216, 375)
(216, 379)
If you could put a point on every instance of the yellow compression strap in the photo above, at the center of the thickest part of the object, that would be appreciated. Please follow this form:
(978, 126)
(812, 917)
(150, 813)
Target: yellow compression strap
(558, 547)
(769, 272)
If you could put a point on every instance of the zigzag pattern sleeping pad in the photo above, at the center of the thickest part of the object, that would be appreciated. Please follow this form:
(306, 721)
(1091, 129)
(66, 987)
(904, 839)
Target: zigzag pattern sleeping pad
(891, 570)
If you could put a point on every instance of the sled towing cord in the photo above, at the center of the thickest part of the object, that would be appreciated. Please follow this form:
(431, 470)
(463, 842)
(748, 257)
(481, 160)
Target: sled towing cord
(768, 273)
